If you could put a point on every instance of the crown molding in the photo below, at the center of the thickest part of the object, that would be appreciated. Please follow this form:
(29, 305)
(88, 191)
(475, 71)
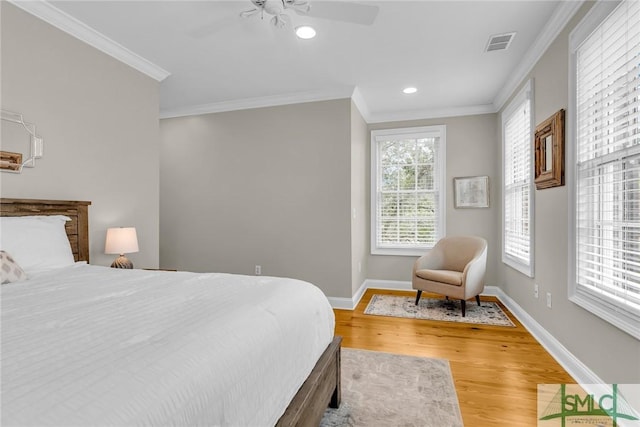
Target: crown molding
(434, 113)
(258, 102)
(50, 14)
(360, 104)
(315, 96)
(558, 21)
(45, 11)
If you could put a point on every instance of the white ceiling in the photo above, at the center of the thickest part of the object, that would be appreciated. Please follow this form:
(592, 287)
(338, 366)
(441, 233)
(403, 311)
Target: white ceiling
(219, 61)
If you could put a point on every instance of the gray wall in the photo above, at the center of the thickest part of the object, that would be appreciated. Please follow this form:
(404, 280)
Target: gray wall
(472, 149)
(228, 202)
(99, 121)
(266, 186)
(612, 354)
(359, 207)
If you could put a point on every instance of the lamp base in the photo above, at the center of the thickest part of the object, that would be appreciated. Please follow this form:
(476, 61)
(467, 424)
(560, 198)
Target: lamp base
(122, 262)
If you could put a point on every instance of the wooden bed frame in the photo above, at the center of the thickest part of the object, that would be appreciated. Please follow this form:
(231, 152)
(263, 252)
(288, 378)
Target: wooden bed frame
(321, 388)
(77, 228)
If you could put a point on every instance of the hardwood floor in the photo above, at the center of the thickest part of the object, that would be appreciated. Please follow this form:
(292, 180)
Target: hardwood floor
(496, 369)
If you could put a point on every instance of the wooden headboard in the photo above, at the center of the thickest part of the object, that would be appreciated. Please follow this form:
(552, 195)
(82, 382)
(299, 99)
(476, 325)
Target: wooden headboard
(77, 229)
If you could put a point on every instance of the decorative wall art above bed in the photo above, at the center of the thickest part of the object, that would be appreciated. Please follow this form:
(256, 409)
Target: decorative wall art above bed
(20, 143)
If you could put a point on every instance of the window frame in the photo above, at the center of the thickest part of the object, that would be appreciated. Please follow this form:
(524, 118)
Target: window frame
(596, 303)
(416, 250)
(526, 93)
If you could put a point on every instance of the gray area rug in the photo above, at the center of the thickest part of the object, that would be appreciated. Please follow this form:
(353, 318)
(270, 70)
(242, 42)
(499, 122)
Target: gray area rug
(390, 390)
(489, 313)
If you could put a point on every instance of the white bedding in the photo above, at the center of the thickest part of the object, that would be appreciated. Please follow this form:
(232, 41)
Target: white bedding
(87, 345)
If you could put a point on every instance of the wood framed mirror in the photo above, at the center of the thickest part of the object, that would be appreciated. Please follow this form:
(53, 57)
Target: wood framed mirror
(549, 152)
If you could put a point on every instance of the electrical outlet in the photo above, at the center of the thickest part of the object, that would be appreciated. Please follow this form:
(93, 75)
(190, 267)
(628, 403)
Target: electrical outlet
(258, 270)
(548, 300)
(535, 290)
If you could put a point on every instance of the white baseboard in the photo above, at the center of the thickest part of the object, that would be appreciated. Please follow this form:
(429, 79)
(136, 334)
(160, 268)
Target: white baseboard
(386, 284)
(578, 370)
(341, 303)
(348, 303)
(351, 303)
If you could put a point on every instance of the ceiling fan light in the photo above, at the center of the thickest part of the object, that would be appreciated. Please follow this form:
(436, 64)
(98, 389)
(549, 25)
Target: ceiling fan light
(305, 32)
(409, 90)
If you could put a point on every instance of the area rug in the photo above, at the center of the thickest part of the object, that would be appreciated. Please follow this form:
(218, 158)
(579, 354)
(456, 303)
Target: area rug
(489, 313)
(386, 390)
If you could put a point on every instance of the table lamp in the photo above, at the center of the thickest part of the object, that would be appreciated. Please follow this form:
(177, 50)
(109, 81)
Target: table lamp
(121, 240)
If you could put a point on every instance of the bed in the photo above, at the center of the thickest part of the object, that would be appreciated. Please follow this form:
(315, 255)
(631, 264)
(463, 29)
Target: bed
(91, 345)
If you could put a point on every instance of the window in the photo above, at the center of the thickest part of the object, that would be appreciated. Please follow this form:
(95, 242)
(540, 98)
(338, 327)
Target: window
(605, 156)
(407, 189)
(517, 189)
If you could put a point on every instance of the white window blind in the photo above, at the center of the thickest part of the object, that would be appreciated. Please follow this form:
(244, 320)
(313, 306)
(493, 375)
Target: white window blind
(517, 166)
(407, 190)
(607, 164)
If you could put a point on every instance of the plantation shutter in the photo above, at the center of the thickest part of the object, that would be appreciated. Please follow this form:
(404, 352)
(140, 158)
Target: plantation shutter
(607, 207)
(517, 187)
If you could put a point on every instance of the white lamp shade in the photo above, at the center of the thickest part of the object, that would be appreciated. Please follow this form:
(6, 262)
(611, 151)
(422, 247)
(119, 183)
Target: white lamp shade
(121, 240)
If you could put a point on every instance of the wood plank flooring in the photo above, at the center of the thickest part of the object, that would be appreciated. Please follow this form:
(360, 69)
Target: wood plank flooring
(496, 369)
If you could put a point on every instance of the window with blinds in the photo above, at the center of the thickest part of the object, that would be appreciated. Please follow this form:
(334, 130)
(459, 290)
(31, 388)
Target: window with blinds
(407, 200)
(517, 193)
(607, 168)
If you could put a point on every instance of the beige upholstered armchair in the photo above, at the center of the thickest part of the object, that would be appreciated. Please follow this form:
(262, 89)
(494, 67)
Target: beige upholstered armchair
(455, 267)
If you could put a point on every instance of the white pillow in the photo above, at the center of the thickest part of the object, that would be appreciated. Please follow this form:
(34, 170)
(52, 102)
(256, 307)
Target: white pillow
(36, 242)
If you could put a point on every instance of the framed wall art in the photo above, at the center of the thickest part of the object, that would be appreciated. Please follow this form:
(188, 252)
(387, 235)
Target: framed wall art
(471, 192)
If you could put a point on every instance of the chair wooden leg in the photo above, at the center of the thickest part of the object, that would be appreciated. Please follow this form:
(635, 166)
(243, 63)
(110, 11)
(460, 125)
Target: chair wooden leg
(418, 297)
(478, 300)
(463, 304)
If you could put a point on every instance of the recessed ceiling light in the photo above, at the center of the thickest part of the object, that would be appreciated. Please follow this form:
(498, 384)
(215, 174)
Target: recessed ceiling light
(305, 32)
(409, 90)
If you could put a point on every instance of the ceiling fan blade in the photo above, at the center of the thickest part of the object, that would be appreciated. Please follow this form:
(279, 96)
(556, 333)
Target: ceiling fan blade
(344, 11)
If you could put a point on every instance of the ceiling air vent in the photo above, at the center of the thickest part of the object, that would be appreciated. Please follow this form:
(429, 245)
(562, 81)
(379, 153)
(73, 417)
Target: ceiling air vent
(499, 42)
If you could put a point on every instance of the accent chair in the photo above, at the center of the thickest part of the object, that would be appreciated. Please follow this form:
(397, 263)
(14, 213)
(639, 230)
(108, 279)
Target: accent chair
(455, 267)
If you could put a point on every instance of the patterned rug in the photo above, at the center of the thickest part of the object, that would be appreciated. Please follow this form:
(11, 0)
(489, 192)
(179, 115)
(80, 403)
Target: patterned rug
(489, 313)
(386, 390)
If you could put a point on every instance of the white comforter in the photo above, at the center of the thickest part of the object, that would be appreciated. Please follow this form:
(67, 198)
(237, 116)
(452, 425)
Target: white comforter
(88, 345)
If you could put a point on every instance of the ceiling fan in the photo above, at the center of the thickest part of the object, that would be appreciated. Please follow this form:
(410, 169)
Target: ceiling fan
(344, 11)
(276, 9)
(278, 12)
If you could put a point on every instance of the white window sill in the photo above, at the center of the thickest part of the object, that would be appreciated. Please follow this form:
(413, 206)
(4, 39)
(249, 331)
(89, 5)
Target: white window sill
(623, 320)
(527, 270)
(401, 251)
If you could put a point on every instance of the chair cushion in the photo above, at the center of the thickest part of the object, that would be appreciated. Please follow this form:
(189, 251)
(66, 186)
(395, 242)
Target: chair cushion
(444, 276)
